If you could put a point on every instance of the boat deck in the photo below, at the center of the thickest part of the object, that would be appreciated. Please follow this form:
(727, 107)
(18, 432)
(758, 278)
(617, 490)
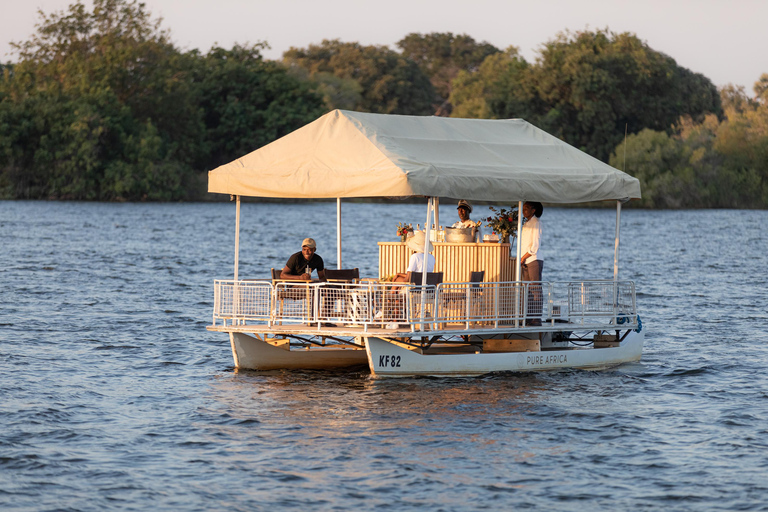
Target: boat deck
(358, 310)
(403, 330)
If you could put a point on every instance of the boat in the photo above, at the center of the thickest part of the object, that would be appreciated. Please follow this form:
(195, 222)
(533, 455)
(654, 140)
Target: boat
(463, 326)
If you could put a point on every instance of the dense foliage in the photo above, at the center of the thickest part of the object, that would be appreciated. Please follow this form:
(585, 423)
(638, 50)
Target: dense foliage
(441, 56)
(247, 102)
(389, 83)
(100, 105)
(715, 163)
(586, 88)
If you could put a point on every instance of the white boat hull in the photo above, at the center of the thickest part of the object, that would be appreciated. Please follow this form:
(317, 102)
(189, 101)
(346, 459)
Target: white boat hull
(389, 360)
(252, 353)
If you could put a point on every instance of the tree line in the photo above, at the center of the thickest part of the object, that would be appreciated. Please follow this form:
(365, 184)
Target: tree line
(101, 105)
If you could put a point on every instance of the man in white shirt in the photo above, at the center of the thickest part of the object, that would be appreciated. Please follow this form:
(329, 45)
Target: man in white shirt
(417, 259)
(464, 210)
(532, 263)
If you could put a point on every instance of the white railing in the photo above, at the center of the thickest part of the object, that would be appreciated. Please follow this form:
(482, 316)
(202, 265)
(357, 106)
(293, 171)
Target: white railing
(450, 306)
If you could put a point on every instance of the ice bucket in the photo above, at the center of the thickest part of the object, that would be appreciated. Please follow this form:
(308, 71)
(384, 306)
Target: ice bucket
(459, 235)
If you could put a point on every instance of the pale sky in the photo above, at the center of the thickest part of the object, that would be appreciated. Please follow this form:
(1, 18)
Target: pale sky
(725, 40)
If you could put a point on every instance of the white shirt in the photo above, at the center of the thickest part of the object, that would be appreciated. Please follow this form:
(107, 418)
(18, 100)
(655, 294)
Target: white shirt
(469, 223)
(416, 263)
(530, 239)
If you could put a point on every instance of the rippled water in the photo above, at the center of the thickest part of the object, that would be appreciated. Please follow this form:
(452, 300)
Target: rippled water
(114, 396)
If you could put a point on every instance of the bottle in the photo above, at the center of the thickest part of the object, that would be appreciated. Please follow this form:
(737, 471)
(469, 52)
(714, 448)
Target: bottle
(309, 271)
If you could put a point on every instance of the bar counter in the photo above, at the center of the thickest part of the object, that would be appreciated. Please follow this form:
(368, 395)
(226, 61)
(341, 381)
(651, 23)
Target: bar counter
(454, 260)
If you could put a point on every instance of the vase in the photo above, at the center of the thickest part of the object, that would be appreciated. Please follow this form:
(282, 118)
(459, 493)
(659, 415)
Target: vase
(403, 238)
(504, 238)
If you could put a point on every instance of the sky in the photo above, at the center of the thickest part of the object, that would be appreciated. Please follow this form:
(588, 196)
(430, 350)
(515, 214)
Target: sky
(725, 40)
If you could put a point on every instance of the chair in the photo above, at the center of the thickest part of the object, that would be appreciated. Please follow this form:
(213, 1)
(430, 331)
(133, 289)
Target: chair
(433, 279)
(283, 293)
(344, 275)
(332, 292)
(457, 299)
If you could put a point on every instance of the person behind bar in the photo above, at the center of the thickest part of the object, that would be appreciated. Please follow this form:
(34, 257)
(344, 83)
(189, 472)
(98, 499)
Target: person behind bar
(301, 264)
(464, 209)
(532, 264)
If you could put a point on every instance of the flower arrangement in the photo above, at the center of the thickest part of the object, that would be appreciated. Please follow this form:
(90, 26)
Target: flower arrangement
(504, 223)
(403, 230)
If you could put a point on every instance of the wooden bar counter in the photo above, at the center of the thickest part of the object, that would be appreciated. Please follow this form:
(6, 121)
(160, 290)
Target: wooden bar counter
(454, 260)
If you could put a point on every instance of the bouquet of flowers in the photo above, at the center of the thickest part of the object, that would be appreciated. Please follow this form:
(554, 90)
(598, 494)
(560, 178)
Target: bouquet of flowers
(504, 223)
(403, 230)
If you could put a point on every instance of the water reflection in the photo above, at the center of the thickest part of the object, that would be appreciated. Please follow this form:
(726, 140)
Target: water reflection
(115, 395)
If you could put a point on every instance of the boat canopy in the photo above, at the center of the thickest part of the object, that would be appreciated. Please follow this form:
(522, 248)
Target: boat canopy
(355, 154)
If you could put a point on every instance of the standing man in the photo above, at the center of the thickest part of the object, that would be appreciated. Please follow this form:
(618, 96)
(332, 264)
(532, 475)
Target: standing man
(464, 209)
(301, 264)
(532, 263)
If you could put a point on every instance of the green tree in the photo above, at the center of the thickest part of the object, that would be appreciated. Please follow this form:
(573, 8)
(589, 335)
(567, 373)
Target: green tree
(593, 84)
(742, 142)
(761, 89)
(249, 102)
(707, 163)
(389, 82)
(734, 98)
(88, 88)
(442, 56)
(496, 90)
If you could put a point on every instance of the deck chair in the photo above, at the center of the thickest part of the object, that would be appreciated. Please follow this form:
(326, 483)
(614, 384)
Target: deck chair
(288, 292)
(433, 279)
(335, 292)
(344, 275)
(457, 299)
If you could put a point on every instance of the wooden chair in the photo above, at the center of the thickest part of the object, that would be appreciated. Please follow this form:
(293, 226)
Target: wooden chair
(299, 292)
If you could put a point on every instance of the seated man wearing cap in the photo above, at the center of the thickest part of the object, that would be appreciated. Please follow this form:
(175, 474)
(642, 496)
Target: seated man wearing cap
(301, 264)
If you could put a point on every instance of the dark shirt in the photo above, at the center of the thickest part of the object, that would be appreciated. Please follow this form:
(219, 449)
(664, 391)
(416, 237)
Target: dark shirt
(297, 264)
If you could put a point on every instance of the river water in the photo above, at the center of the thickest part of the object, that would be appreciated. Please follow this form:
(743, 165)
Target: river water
(115, 397)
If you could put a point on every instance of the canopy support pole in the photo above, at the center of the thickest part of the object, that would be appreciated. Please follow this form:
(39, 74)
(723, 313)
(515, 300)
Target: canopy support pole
(437, 214)
(424, 270)
(616, 263)
(616, 243)
(519, 249)
(518, 256)
(237, 236)
(338, 232)
(430, 207)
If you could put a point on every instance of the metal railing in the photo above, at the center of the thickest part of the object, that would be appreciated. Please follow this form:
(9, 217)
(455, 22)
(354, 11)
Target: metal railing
(452, 306)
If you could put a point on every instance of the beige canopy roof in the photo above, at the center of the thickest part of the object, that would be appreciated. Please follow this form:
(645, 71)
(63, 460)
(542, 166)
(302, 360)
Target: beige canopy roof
(354, 154)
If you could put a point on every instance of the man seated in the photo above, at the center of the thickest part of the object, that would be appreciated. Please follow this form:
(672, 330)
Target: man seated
(301, 264)
(418, 262)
